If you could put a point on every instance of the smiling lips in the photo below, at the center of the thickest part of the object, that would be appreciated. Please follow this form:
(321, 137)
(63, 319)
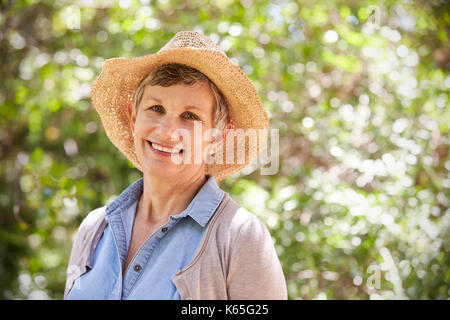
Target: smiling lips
(164, 149)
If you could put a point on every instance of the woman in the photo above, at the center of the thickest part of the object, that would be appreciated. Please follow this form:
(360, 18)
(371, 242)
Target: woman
(174, 234)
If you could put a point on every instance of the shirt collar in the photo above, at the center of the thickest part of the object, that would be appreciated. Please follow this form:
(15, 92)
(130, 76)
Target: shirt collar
(201, 208)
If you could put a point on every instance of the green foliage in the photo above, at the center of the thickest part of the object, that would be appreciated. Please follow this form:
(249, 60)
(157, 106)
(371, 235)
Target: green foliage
(359, 208)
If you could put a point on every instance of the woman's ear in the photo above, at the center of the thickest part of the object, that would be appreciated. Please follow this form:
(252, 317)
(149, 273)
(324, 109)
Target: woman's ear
(230, 126)
(219, 140)
(131, 115)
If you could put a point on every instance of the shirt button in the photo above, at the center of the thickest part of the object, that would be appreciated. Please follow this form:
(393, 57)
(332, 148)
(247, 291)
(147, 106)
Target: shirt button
(164, 229)
(137, 268)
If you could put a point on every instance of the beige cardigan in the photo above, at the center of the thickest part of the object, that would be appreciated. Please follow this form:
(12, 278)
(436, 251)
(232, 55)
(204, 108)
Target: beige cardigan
(235, 260)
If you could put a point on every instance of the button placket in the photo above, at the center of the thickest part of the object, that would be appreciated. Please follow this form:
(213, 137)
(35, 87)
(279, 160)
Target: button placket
(143, 256)
(139, 261)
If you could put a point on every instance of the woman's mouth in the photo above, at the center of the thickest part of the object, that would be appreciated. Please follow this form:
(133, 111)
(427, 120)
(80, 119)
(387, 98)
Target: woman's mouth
(164, 151)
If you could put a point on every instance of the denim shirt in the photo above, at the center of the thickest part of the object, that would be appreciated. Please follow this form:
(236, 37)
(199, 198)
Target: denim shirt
(166, 251)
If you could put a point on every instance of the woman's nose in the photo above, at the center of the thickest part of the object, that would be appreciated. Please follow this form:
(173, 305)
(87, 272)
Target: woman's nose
(168, 128)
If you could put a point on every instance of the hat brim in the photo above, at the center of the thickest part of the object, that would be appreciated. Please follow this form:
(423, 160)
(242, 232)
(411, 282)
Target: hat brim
(116, 85)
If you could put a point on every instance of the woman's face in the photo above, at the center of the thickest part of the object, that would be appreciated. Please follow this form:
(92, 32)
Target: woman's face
(173, 112)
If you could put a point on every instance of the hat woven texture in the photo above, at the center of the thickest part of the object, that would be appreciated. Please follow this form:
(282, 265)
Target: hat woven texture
(116, 85)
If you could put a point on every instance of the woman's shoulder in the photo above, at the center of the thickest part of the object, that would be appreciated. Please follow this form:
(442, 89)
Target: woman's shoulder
(91, 222)
(93, 217)
(237, 222)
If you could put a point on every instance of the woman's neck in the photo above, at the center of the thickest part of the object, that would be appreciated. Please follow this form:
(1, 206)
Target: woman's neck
(160, 199)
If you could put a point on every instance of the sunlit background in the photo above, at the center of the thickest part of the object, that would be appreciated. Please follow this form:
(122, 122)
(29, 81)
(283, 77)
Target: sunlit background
(359, 90)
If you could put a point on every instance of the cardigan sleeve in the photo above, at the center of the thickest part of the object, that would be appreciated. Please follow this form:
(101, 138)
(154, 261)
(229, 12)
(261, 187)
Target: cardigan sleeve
(254, 270)
(80, 255)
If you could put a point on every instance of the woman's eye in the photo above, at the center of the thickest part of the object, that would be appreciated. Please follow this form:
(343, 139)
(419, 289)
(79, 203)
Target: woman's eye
(156, 108)
(191, 116)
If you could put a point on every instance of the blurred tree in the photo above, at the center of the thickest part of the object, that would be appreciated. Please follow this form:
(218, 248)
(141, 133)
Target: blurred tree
(359, 91)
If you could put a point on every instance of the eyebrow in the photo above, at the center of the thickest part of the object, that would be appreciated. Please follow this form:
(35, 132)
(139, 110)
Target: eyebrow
(159, 101)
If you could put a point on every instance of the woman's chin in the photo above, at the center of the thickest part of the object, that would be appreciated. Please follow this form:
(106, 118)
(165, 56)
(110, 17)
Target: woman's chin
(152, 164)
(168, 169)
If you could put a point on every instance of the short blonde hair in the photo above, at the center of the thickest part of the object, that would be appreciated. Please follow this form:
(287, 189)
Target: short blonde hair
(173, 73)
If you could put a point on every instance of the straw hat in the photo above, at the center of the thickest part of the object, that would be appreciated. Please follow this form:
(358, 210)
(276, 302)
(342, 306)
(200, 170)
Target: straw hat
(116, 85)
